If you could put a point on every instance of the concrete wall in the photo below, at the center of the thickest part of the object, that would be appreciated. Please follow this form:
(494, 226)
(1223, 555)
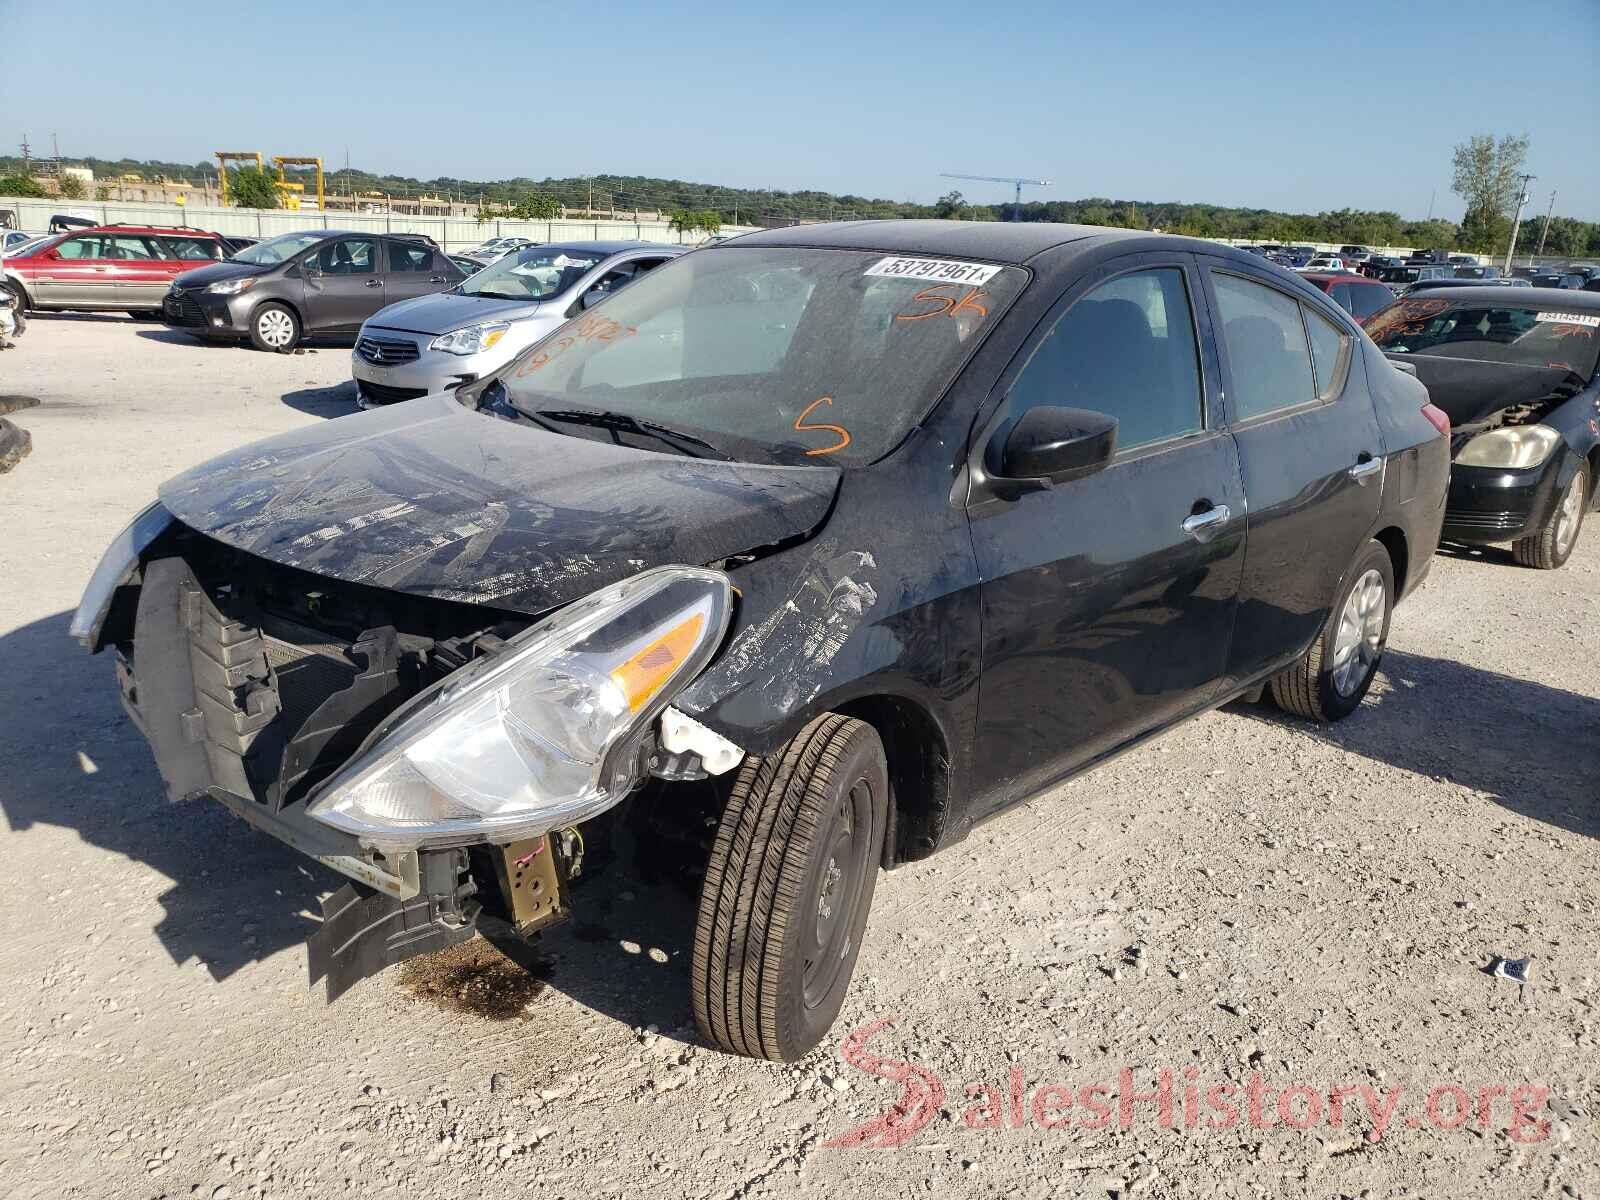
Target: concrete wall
(453, 233)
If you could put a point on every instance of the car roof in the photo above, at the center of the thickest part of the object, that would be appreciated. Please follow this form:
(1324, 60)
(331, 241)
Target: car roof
(1528, 297)
(184, 230)
(609, 247)
(1013, 242)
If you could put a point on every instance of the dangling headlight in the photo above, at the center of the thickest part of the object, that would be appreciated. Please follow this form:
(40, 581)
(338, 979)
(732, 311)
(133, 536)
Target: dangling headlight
(545, 733)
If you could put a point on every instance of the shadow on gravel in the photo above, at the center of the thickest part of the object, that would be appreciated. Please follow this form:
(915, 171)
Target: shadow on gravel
(336, 401)
(1535, 749)
(172, 337)
(73, 760)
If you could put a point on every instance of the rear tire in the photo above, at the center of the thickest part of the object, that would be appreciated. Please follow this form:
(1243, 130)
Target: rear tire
(274, 328)
(1552, 545)
(1330, 680)
(787, 890)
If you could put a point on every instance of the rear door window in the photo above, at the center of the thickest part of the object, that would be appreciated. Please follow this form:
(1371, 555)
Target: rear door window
(1127, 349)
(192, 248)
(1329, 346)
(1268, 355)
(409, 256)
(123, 246)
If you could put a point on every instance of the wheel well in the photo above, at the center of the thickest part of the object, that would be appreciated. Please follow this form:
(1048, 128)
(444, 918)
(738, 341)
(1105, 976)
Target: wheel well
(292, 307)
(1394, 541)
(919, 772)
(1594, 470)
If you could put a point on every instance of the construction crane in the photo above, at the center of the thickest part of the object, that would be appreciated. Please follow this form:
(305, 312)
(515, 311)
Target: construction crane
(224, 157)
(284, 160)
(1015, 182)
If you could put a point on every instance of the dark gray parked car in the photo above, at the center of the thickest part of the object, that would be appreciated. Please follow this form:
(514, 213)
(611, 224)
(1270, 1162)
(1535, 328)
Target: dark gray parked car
(317, 281)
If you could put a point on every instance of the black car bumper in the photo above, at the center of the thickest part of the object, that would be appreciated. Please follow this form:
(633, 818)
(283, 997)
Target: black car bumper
(1491, 504)
(201, 314)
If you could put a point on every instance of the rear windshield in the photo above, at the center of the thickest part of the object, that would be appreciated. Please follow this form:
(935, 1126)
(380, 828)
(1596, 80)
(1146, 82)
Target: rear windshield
(1533, 337)
(779, 353)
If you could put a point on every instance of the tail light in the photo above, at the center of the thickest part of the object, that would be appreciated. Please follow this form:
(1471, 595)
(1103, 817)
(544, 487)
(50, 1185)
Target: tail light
(1437, 417)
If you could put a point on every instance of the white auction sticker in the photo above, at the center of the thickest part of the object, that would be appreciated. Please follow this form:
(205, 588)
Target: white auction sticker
(1567, 318)
(934, 270)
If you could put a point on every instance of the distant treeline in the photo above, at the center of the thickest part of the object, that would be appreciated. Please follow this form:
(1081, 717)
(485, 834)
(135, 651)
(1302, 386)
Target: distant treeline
(745, 206)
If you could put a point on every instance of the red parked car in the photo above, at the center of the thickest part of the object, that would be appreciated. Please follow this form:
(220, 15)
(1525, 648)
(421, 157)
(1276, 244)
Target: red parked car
(121, 268)
(1356, 294)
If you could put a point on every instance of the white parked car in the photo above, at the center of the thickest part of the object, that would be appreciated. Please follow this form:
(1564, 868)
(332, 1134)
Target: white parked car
(1326, 262)
(437, 343)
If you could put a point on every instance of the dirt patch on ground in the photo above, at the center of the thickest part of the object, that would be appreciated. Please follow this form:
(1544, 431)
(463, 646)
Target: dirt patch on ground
(472, 978)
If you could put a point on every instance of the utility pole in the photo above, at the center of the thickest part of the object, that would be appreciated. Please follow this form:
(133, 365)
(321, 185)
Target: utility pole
(1431, 197)
(1546, 233)
(1522, 198)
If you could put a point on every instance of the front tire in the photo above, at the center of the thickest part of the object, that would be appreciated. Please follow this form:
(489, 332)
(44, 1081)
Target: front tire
(1552, 544)
(19, 295)
(1330, 680)
(274, 328)
(787, 890)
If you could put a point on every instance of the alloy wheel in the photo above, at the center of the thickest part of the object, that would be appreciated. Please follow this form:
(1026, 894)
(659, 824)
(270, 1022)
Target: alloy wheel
(1570, 515)
(1358, 639)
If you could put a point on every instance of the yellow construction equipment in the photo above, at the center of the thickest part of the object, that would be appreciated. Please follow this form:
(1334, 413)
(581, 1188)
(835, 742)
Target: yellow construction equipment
(224, 157)
(282, 160)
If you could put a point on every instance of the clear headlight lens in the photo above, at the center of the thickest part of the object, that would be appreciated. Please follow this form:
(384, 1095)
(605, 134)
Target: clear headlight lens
(543, 734)
(1513, 447)
(474, 339)
(116, 564)
(232, 287)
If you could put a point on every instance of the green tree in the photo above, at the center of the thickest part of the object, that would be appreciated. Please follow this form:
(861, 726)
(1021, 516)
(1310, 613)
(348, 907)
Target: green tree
(71, 186)
(252, 187)
(1485, 177)
(20, 185)
(950, 206)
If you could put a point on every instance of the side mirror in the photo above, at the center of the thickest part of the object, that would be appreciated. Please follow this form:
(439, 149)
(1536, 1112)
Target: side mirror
(1058, 444)
(593, 296)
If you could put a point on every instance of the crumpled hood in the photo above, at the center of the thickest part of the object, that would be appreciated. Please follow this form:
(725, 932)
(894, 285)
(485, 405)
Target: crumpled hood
(444, 311)
(435, 499)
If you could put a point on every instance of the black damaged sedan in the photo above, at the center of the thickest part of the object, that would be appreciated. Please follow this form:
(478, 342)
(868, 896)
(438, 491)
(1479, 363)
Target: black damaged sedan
(806, 552)
(1515, 370)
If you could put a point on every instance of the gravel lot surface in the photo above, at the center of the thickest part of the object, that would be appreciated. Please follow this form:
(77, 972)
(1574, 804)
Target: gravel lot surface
(1250, 896)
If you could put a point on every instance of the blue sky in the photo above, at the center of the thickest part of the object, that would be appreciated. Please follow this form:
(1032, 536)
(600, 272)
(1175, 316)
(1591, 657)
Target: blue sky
(1270, 103)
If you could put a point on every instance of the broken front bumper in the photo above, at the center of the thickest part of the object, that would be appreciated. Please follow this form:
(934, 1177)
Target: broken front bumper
(241, 717)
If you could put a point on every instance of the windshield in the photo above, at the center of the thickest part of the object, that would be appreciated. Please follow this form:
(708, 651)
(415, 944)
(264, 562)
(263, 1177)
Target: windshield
(791, 354)
(536, 273)
(1532, 337)
(276, 250)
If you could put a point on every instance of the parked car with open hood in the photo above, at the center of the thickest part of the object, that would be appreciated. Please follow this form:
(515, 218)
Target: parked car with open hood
(1515, 369)
(317, 281)
(821, 546)
(438, 342)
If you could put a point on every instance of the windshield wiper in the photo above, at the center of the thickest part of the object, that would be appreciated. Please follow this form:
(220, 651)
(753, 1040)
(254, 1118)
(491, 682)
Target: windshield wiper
(624, 423)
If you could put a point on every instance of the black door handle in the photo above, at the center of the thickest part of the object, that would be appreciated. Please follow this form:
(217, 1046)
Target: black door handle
(374, 283)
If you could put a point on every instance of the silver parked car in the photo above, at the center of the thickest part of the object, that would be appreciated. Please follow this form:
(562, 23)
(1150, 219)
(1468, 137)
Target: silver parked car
(435, 343)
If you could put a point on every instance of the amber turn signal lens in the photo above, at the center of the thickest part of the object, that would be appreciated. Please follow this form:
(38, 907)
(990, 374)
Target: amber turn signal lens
(643, 674)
